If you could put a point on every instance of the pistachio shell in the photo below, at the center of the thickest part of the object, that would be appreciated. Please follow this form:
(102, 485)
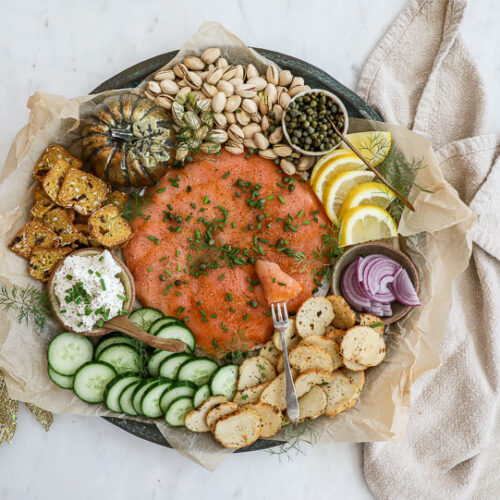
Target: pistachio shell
(210, 148)
(278, 111)
(169, 87)
(242, 117)
(230, 117)
(180, 70)
(269, 154)
(282, 150)
(166, 74)
(250, 130)
(221, 63)
(265, 123)
(276, 136)
(218, 135)
(288, 167)
(271, 94)
(192, 120)
(235, 134)
(296, 90)
(296, 80)
(251, 71)
(305, 163)
(258, 82)
(226, 87)
(229, 72)
(219, 102)
(246, 90)
(232, 103)
(249, 106)
(261, 141)
(193, 80)
(284, 99)
(177, 112)
(207, 118)
(285, 78)
(164, 101)
(240, 72)
(210, 55)
(256, 117)
(182, 151)
(263, 105)
(202, 132)
(272, 75)
(209, 90)
(220, 119)
(153, 87)
(183, 94)
(234, 148)
(249, 143)
(236, 81)
(193, 63)
(214, 76)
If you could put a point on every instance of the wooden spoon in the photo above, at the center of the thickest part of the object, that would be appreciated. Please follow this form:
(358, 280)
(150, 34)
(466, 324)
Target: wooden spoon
(118, 323)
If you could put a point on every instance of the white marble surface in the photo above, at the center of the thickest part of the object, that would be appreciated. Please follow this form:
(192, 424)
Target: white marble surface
(68, 48)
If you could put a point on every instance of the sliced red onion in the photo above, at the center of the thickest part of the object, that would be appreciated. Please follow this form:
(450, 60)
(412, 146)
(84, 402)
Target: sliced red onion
(351, 290)
(372, 283)
(403, 289)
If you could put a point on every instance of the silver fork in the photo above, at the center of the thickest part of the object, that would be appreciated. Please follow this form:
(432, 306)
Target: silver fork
(280, 321)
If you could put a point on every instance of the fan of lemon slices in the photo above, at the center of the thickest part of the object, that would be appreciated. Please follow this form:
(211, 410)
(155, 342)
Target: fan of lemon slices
(348, 191)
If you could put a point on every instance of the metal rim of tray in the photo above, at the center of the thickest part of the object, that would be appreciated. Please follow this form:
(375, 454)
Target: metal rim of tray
(313, 76)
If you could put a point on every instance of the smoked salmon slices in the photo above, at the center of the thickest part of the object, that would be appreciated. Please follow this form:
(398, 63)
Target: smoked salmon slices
(278, 286)
(194, 251)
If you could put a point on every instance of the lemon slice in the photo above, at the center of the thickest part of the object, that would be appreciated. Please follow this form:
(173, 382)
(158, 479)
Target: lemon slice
(373, 145)
(345, 163)
(327, 159)
(338, 188)
(366, 223)
(369, 193)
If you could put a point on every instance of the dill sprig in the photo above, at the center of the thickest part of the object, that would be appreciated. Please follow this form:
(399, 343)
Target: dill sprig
(400, 173)
(30, 304)
(235, 350)
(295, 438)
(323, 256)
(135, 205)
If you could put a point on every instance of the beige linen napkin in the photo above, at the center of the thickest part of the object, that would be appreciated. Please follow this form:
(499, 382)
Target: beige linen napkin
(421, 76)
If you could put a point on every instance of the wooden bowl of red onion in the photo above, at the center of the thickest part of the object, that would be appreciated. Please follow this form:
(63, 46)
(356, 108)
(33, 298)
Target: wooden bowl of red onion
(378, 279)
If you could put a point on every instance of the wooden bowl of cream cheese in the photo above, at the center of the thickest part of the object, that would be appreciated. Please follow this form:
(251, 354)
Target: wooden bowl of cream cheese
(125, 277)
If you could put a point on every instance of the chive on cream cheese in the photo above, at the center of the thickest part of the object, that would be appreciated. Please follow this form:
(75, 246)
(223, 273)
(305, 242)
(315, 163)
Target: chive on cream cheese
(89, 290)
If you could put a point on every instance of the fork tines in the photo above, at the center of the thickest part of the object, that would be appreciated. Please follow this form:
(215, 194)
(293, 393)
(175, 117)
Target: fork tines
(279, 316)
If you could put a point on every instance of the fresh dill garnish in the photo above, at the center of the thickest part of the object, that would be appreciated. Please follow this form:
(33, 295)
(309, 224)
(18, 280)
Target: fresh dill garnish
(400, 173)
(135, 206)
(30, 304)
(294, 438)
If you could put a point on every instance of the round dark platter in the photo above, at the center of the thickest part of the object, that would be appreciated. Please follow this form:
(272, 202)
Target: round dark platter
(313, 76)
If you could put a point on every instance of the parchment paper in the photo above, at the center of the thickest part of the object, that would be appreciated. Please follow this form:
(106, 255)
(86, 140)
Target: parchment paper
(438, 243)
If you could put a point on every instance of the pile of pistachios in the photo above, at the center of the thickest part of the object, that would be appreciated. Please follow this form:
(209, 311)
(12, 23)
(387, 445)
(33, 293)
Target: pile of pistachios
(216, 104)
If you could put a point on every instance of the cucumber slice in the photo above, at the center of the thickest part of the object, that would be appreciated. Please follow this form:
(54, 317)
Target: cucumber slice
(115, 388)
(125, 399)
(114, 339)
(140, 391)
(63, 381)
(68, 352)
(150, 404)
(197, 370)
(91, 380)
(145, 317)
(169, 367)
(122, 357)
(155, 361)
(201, 395)
(159, 323)
(224, 381)
(178, 410)
(176, 391)
(177, 331)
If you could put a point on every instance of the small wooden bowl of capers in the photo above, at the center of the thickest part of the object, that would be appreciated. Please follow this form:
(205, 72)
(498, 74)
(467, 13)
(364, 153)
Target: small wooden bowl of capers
(305, 122)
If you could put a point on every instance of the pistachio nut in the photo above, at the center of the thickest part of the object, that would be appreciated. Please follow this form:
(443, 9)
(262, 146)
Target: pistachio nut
(210, 55)
(258, 82)
(250, 130)
(261, 141)
(164, 101)
(242, 117)
(193, 63)
(276, 136)
(193, 80)
(234, 148)
(232, 103)
(209, 90)
(217, 135)
(284, 99)
(282, 150)
(235, 133)
(250, 144)
(278, 112)
(180, 70)
(246, 90)
(296, 80)
(251, 71)
(296, 90)
(166, 74)
(192, 120)
(285, 78)
(287, 166)
(214, 76)
(268, 154)
(271, 94)
(219, 102)
(249, 106)
(305, 163)
(272, 75)
(230, 117)
(210, 148)
(182, 151)
(226, 87)
(221, 63)
(220, 119)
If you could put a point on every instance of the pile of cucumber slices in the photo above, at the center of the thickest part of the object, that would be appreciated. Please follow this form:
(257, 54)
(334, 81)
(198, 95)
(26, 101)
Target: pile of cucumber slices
(113, 371)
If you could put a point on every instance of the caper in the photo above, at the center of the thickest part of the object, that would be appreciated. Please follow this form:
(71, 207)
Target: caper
(203, 266)
(177, 282)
